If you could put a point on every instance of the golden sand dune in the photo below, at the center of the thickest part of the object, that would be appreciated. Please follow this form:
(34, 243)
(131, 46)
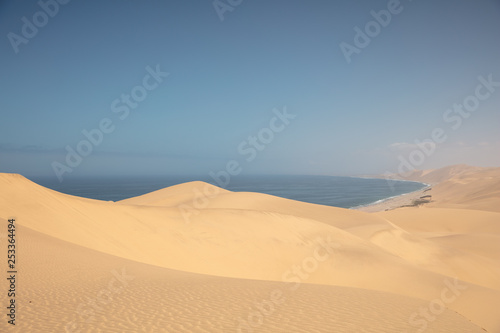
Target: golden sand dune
(204, 256)
(461, 186)
(434, 176)
(192, 192)
(70, 288)
(473, 190)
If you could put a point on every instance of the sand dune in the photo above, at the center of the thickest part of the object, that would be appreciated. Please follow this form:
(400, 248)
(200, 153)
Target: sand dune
(461, 186)
(435, 176)
(478, 190)
(71, 288)
(191, 192)
(205, 255)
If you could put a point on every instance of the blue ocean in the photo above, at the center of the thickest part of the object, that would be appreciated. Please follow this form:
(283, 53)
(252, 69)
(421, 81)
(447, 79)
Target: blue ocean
(345, 192)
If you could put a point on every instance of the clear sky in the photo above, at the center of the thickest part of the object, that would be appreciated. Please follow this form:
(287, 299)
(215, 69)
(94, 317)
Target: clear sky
(354, 88)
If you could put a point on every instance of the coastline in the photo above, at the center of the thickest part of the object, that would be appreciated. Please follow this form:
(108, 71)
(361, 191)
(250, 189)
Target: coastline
(184, 243)
(403, 200)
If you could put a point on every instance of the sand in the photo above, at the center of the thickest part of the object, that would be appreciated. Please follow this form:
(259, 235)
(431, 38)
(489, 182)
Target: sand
(196, 258)
(458, 186)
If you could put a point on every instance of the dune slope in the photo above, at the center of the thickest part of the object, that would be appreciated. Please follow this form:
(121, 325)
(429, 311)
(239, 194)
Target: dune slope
(69, 288)
(409, 256)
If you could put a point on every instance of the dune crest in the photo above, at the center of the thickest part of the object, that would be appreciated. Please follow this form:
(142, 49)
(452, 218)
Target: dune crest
(256, 240)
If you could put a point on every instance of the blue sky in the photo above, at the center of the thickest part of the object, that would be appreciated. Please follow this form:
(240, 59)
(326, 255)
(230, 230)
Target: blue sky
(225, 78)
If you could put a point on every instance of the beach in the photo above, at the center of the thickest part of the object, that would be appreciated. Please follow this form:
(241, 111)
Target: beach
(458, 186)
(400, 201)
(197, 258)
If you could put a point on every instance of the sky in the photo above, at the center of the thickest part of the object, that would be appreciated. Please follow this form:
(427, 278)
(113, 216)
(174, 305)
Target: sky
(101, 88)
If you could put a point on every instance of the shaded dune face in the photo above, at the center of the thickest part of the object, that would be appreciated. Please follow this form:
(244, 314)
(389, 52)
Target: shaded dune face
(196, 233)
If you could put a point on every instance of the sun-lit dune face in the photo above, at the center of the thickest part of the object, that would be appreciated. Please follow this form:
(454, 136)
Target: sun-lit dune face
(192, 193)
(71, 288)
(475, 190)
(460, 186)
(207, 259)
(434, 176)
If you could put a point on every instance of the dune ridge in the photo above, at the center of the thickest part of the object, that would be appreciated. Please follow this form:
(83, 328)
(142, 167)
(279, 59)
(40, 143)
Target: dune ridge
(397, 261)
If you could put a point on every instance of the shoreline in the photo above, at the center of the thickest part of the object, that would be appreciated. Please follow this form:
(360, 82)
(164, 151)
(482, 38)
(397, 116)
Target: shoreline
(407, 199)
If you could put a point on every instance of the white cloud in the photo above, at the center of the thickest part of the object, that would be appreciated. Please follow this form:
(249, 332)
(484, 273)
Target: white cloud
(402, 146)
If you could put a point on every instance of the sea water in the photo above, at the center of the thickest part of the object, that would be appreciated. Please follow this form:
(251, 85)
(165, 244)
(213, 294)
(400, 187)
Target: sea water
(346, 192)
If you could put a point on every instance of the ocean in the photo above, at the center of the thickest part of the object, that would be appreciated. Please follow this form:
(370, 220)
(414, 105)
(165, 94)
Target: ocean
(345, 192)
